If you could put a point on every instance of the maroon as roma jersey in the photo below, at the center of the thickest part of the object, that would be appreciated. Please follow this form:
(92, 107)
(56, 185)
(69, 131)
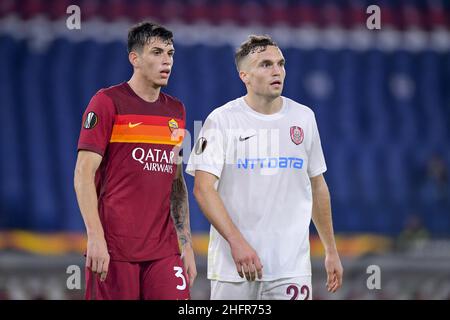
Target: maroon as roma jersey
(140, 143)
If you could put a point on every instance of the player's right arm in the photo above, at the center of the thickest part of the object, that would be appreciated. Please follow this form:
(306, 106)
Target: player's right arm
(97, 257)
(244, 256)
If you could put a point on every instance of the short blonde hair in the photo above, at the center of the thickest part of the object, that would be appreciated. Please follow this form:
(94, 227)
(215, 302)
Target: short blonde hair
(254, 43)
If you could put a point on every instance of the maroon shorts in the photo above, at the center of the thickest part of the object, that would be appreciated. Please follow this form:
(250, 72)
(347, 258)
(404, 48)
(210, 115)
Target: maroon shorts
(163, 279)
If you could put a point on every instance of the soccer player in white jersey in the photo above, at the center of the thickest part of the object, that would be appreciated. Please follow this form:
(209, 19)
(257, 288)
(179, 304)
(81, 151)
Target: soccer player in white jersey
(258, 166)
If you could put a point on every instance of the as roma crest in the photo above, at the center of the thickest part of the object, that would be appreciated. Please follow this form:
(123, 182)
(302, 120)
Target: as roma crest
(297, 134)
(173, 125)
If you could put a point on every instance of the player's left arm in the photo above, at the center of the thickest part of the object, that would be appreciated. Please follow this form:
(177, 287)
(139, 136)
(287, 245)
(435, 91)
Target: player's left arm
(179, 209)
(321, 216)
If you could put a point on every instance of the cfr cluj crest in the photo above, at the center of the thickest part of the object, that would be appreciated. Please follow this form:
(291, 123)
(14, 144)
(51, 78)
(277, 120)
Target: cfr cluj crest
(297, 134)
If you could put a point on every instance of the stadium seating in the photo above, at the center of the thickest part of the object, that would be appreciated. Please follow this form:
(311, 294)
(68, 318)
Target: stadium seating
(381, 113)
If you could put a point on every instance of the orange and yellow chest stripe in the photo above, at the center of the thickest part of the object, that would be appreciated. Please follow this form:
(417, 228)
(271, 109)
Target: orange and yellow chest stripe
(135, 128)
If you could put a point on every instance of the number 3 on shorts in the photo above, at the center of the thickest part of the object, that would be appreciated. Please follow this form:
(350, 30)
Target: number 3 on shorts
(179, 274)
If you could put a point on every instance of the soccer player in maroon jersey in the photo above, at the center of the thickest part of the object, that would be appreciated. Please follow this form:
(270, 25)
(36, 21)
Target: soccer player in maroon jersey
(129, 181)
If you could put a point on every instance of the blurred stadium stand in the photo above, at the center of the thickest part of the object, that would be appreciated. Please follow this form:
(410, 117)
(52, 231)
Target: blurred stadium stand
(404, 276)
(381, 98)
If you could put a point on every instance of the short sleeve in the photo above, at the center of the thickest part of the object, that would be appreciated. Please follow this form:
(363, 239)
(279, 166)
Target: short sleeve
(185, 142)
(183, 109)
(97, 125)
(316, 159)
(208, 153)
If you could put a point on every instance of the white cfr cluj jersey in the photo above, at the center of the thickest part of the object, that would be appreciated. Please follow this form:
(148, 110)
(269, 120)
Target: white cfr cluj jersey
(264, 163)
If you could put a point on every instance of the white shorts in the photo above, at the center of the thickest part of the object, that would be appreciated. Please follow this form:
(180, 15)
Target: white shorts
(298, 288)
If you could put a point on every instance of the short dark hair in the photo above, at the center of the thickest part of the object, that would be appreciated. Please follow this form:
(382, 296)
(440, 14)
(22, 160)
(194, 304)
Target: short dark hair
(140, 34)
(254, 43)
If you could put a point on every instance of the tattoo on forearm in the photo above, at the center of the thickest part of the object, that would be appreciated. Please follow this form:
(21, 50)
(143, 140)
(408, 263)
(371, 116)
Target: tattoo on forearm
(179, 209)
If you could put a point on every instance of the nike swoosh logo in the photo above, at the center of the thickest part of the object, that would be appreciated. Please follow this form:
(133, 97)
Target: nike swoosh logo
(246, 138)
(132, 125)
